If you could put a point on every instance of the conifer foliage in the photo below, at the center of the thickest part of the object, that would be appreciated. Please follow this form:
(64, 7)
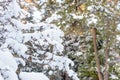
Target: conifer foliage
(29, 47)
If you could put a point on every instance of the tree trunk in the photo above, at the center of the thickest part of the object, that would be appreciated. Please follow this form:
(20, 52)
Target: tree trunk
(96, 54)
(106, 62)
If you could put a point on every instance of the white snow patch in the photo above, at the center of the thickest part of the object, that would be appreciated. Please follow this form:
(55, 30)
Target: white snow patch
(78, 53)
(92, 20)
(52, 18)
(32, 76)
(7, 59)
(118, 27)
(118, 37)
(1, 78)
(112, 76)
(9, 74)
(77, 17)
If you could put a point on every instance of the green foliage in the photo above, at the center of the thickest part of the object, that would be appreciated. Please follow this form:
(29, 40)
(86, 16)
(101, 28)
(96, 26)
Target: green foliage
(74, 21)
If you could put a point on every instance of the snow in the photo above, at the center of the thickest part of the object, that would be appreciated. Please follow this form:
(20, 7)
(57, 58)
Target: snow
(90, 8)
(77, 16)
(118, 37)
(2, 65)
(112, 76)
(8, 60)
(60, 1)
(73, 74)
(79, 53)
(118, 27)
(52, 18)
(8, 66)
(37, 15)
(32, 76)
(39, 35)
(1, 78)
(9, 74)
(20, 61)
(92, 20)
(17, 46)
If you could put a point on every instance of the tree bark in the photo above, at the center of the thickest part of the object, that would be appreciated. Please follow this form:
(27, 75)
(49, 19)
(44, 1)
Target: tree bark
(96, 54)
(65, 76)
(106, 62)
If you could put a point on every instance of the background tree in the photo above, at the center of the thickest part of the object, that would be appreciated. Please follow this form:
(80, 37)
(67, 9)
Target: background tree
(76, 18)
(39, 46)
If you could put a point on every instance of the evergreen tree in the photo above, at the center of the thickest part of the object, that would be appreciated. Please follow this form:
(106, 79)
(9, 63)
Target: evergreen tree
(32, 45)
(77, 18)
